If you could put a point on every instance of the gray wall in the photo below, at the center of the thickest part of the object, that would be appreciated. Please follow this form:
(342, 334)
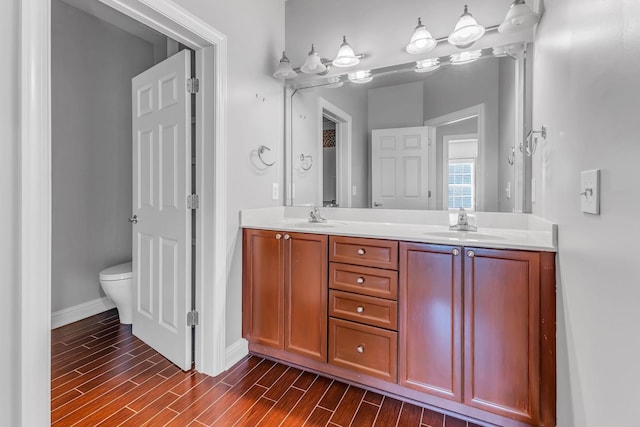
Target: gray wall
(506, 132)
(591, 109)
(10, 213)
(92, 66)
(396, 106)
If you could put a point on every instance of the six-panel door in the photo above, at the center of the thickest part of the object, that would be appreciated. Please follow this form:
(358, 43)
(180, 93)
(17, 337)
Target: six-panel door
(430, 302)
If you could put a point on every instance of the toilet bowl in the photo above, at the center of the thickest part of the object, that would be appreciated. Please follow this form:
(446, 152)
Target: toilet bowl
(116, 283)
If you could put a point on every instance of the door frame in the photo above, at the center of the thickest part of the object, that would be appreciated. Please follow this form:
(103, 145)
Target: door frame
(344, 124)
(35, 190)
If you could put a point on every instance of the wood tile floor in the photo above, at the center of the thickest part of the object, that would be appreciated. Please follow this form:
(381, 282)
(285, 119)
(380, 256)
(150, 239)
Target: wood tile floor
(103, 375)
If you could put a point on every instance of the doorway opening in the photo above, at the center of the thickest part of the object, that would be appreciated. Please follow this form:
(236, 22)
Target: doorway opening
(36, 177)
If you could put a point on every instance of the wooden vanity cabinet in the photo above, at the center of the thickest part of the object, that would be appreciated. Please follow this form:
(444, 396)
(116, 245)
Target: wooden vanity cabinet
(285, 291)
(477, 326)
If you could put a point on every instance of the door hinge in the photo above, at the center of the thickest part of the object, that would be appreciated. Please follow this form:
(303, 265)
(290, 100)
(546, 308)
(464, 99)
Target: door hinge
(193, 85)
(192, 318)
(193, 201)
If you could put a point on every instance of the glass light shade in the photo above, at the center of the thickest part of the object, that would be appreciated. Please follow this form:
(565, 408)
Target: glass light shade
(360, 77)
(466, 57)
(519, 17)
(284, 70)
(313, 63)
(427, 65)
(466, 32)
(421, 40)
(345, 57)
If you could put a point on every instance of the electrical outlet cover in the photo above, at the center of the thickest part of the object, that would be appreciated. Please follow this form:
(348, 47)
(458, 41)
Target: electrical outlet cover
(590, 191)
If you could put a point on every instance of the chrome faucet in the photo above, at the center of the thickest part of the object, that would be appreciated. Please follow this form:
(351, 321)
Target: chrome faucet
(463, 222)
(314, 216)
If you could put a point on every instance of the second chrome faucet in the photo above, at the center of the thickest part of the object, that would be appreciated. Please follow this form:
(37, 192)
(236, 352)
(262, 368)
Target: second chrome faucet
(463, 222)
(314, 216)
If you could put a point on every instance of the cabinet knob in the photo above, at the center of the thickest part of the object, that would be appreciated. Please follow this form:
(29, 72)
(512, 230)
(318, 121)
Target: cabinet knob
(287, 237)
(360, 309)
(471, 254)
(278, 236)
(361, 251)
(360, 280)
(360, 349)
(455, 252)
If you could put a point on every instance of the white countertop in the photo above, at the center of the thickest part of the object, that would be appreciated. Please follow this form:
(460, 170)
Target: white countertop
(495, 230)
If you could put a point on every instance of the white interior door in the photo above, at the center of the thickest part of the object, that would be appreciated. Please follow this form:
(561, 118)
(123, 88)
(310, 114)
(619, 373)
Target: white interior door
(399, 168)
(161, 184)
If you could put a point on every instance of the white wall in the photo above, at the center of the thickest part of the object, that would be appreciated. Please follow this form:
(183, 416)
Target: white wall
(255, 32)
(92, 64)
(9, 213)
(586, 68)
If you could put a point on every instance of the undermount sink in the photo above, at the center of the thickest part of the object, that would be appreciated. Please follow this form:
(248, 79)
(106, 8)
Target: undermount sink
(468, 236)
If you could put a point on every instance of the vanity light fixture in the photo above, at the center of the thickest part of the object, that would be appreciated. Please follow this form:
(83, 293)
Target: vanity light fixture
(467, 31)
(360, 77)
(313, 63)
(519, 17)
(346, 57)
(465, 57)
(284, 70)
(427, 65)
(421, 40)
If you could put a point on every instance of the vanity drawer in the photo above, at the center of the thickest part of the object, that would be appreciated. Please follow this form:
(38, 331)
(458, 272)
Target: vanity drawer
(364, 309)
(361, 251)
(364, 280)
(371, 351)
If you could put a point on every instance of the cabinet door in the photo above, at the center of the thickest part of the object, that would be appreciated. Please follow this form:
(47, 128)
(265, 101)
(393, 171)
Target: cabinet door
(263, 289)
(306, 289)
(501, 332)
(430, 329)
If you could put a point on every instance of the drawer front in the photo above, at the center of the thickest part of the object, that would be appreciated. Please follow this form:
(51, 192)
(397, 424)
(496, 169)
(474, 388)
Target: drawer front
(367, 252)
(371, 351)
(364, 280)
(364, 309)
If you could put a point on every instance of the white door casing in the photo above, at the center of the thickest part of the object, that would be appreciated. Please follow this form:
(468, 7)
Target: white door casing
(399, 168)
(161, 108)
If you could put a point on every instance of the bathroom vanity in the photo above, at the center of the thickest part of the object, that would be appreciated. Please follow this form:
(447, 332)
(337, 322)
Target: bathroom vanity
(460, 322)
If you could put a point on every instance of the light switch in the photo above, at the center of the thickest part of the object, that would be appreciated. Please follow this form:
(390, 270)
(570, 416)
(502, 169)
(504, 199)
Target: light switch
(508, 189)
(275, 191)
(590, 191)
(533, 190)
(354, 190)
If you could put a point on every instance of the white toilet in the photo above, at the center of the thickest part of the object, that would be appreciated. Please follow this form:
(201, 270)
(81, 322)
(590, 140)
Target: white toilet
(116, 283)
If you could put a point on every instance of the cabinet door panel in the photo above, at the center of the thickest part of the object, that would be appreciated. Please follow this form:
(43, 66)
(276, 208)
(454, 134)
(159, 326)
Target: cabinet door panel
(263, 293)
(502, 315)
(306, 289)
(431, 319)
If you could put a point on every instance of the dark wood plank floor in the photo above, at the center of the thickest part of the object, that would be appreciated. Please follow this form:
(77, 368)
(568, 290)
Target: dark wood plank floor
(103, 375)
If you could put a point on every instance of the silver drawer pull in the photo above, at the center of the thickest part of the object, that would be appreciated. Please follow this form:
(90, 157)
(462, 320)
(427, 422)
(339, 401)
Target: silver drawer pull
(455, 252)
(360, 349)
(361, 251)
(278, 236)
(471, 254)
(360, 280)
(360, 309)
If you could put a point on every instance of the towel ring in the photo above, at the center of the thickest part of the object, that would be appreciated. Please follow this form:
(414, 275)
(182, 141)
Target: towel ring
(261, 149)
(306, 160)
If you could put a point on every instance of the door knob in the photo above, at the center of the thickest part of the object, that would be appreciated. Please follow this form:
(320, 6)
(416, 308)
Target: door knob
(376, 204)
(134, 219)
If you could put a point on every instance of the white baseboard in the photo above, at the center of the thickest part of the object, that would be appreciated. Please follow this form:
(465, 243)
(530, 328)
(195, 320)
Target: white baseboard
(237, 351)
(80, 311)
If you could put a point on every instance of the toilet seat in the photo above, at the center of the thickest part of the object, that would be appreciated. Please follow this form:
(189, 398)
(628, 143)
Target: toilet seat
(117, 272)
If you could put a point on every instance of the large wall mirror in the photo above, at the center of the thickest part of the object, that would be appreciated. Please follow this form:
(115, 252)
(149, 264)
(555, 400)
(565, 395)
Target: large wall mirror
(440, 136)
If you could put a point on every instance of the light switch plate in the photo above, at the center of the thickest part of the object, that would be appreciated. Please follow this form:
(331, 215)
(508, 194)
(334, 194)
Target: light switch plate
(275, 191)
(590, 191)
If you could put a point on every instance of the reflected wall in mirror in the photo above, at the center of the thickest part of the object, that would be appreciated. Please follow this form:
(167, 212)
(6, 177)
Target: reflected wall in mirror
(442, 139)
